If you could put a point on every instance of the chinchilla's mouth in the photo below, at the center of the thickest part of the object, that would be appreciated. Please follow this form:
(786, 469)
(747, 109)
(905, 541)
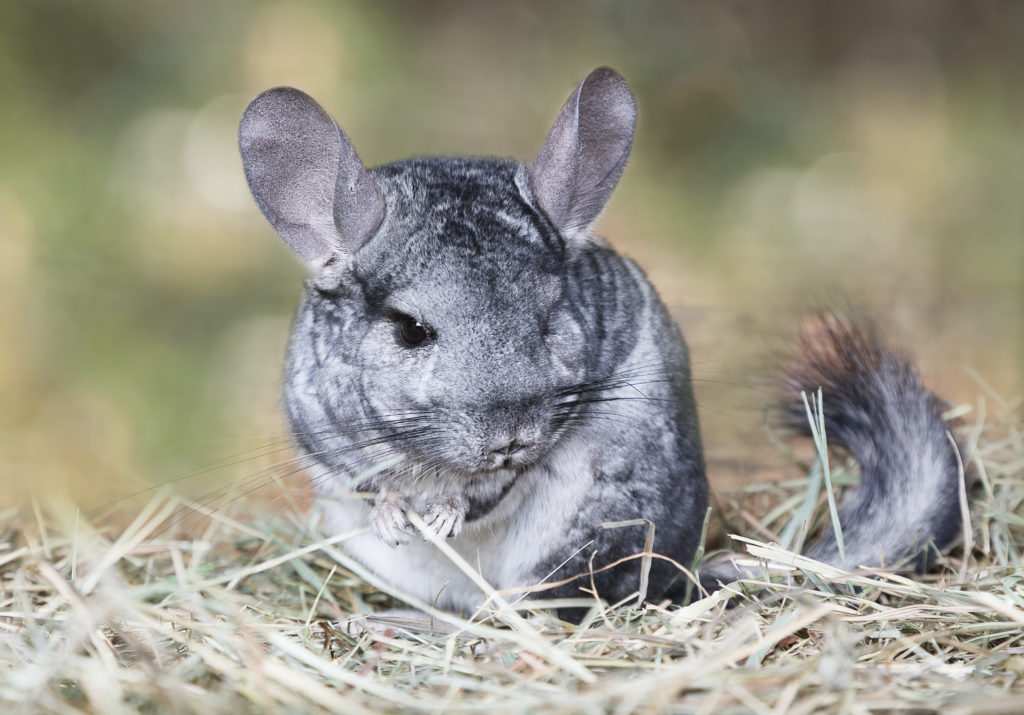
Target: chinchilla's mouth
(518, 460)
(525, 458)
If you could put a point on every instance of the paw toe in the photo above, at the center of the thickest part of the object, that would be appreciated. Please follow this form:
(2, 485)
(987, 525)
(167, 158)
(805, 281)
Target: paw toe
(389, 523)
(444, 519)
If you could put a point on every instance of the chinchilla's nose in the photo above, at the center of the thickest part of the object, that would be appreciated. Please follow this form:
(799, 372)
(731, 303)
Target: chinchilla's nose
(505, 453)
(509, 448)
(515, 434)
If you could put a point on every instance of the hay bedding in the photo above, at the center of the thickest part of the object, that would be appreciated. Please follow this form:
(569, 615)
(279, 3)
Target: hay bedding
(188, 608)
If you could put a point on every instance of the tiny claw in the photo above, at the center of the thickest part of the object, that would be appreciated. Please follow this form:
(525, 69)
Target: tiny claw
(446, 517)
(389, 522)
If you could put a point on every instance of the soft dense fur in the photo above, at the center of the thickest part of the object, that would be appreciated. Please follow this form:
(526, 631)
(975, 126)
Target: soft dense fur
(468, 349)
(906, 507)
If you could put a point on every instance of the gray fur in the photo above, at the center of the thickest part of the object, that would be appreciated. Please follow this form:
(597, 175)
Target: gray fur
(876, 408)
(906, 509)
(546, 390)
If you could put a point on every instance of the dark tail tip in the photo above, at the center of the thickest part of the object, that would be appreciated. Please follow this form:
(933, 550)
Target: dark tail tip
(836, 354)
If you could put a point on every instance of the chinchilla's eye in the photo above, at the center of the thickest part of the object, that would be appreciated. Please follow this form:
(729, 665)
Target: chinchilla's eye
(411, 331)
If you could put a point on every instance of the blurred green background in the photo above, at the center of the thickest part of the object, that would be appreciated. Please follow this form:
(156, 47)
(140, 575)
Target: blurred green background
(789, 155)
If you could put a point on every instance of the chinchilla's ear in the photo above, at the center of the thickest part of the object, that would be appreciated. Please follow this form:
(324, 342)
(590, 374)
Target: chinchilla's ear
(583, 156)
(306, 176)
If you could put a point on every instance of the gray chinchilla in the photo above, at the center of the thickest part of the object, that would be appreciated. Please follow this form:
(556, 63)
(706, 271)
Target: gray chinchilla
(522, 383)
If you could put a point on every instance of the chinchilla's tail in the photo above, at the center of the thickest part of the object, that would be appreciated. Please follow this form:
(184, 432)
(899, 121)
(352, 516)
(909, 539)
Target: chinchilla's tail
(906, 509)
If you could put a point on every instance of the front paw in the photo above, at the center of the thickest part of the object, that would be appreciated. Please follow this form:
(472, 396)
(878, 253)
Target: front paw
(389, 522)
(445, 517)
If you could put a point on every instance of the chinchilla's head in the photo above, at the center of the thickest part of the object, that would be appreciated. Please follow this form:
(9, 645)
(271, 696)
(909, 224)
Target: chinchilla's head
(443, 313)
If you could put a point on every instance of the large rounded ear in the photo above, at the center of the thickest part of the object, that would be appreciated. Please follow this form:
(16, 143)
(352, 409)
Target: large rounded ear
(306, 176)
(577, 168)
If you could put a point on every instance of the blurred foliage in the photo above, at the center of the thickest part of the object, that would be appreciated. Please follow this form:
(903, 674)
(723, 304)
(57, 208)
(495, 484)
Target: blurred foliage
(788, 154)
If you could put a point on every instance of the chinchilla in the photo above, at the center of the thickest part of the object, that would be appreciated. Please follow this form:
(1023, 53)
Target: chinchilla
(469, 350)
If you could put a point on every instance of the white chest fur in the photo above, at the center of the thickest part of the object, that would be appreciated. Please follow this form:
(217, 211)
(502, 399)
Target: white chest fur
(506, 545)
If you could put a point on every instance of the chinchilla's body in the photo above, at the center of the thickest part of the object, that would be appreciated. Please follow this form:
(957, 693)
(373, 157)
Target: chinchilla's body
(467, 350)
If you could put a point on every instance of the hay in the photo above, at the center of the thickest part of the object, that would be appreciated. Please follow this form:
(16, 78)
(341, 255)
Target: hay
(242, 612)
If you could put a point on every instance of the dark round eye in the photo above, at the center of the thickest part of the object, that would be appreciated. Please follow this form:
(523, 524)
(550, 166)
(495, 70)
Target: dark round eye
(411, 331)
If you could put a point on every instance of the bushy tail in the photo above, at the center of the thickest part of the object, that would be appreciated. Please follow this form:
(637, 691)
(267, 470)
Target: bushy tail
(906, 508)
